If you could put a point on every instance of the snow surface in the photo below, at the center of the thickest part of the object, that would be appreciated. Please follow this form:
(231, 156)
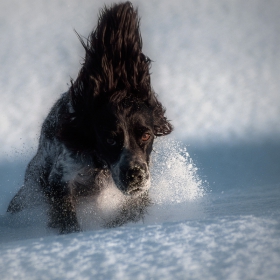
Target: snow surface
(189, 250)
(216, 193)
(231, 232)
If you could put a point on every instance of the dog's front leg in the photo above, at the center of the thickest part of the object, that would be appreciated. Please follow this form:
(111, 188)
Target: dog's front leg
(62, 212)
(63, 215)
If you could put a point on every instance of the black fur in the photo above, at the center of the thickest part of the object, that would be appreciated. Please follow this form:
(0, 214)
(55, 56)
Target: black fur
(101, 131)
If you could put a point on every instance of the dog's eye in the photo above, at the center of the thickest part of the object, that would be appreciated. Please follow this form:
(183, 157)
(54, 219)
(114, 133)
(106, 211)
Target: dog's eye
(145, 137)
(111, 141)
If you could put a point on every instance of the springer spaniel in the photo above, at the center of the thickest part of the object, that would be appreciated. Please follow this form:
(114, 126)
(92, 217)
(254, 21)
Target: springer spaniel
(98, 137)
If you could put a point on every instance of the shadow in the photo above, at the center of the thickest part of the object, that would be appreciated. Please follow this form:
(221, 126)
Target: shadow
(238, 166)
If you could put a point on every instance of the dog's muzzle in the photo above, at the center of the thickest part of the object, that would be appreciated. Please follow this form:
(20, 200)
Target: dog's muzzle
(134, 179)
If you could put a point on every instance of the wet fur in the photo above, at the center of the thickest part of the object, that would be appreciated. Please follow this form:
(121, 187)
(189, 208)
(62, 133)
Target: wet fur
(93, 135)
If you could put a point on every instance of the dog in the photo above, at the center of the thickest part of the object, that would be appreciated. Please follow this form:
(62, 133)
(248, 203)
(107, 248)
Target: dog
(99, 135)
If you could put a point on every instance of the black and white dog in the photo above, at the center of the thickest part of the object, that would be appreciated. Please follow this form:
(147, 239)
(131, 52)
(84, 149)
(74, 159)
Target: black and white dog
(100, 133)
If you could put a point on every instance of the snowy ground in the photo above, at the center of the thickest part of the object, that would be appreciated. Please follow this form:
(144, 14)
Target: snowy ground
(217, 201)
(231, 232)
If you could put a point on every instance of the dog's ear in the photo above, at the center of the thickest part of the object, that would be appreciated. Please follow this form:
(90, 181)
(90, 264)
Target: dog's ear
(114, 60)
(162, 126)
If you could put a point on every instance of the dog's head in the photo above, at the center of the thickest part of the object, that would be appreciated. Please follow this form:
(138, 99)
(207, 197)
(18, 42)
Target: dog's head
(124, 134)
(115, 111)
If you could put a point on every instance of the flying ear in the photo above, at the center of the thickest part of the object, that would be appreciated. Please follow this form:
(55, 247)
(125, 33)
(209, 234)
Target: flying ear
(162, 126)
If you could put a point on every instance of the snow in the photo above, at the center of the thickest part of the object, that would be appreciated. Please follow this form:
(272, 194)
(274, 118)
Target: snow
(189, 250)
(215, 181)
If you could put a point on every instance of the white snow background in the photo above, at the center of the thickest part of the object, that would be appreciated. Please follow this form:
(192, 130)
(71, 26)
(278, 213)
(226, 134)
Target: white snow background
(216, 188)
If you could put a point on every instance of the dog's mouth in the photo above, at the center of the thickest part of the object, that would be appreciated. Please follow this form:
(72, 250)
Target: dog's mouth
(135, 191)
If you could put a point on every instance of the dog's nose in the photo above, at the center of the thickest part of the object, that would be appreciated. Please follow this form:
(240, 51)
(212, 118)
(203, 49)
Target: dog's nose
(136, 174)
